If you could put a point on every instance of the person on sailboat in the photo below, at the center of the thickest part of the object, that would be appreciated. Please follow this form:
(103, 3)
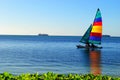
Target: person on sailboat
(93, 46)
(87, 45)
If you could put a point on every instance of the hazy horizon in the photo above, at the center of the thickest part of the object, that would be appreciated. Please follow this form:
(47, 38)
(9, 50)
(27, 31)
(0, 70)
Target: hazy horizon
(46, 35)
(57, 17)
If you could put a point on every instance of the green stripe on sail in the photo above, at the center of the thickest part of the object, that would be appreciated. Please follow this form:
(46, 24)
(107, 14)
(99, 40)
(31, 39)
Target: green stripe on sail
(85, 38)
(94, 42)
(98, 15)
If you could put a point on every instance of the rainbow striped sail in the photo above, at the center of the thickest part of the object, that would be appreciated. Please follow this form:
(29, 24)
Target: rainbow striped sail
(96, 32)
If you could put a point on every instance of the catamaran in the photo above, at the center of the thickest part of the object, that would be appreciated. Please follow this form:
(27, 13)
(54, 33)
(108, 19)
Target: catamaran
(93, 34)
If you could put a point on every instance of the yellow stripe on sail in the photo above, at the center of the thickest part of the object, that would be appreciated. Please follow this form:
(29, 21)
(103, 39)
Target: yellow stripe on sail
(97, 29)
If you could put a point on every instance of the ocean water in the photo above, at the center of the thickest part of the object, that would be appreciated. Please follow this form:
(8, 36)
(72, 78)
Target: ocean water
(58, 54)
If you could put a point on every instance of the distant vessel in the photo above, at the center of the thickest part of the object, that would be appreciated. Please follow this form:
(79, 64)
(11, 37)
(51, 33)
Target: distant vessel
(42, 34)
(105, 35)
(93, 34)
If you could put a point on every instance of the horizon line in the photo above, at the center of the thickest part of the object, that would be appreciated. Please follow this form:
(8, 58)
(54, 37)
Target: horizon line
(43, 35)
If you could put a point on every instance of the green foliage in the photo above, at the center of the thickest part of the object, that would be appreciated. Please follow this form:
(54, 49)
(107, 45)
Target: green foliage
(54, 76)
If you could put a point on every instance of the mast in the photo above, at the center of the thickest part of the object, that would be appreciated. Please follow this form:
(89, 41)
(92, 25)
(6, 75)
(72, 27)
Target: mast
(96, 32)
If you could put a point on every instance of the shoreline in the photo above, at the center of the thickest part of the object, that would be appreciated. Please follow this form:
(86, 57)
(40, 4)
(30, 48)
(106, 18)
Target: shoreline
(55, 76)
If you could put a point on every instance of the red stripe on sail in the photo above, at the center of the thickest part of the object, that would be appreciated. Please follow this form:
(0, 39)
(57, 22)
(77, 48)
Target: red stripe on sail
(96, 34)
(97, 24)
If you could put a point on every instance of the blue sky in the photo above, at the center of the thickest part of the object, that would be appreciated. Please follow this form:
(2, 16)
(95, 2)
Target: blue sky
(57, 17)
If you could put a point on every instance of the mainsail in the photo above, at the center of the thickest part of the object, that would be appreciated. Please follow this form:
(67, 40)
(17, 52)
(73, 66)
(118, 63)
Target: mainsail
(96, 32)
(85, 38)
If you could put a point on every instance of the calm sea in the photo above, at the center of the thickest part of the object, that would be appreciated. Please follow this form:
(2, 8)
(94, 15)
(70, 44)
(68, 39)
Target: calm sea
(58, 54)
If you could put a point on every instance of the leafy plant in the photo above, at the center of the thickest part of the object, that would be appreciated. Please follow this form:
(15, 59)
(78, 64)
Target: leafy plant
(54, 76)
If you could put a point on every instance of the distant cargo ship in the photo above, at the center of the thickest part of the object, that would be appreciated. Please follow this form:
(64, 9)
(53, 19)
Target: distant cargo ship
(42, 34)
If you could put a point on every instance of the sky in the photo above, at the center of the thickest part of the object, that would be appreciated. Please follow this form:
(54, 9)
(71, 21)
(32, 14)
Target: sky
(57, 17)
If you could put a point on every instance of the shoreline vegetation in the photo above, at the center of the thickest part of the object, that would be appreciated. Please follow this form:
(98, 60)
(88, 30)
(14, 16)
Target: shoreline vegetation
(55, 76)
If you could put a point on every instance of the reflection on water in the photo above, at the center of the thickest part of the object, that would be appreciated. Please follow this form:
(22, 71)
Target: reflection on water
(93, 58)
(95, 61)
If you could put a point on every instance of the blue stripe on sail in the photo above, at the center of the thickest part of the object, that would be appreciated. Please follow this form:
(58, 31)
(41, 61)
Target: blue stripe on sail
(98, 20)
(94, 38)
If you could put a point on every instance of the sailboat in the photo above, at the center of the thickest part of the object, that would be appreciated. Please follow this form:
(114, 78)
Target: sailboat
(93, 34)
